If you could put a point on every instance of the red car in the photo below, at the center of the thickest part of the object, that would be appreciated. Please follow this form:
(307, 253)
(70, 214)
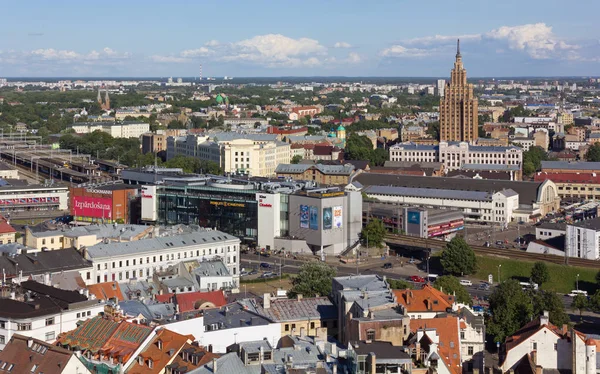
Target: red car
(416, 279)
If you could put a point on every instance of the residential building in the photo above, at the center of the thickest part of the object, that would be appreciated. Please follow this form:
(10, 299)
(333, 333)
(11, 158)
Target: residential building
(411, 133)
(549, 230)
(425, 303)
(83, 236)
(191, 356)
(140, 259)
(117, 129)
(440, 86)
(24, 354)
(373, 357)
(218, 328)
(454, 155)
(193, 301)
(62, 268)
(546, 347)
(583, 239)
(436, 343)
(472, 339)
(458, 107)
(8, 233)
(319, 173)
(300, 316)
(156, 354)
(535, 199)
(46, 313)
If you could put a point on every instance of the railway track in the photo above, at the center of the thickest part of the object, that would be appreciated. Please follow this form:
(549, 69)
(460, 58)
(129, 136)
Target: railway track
(497, 252)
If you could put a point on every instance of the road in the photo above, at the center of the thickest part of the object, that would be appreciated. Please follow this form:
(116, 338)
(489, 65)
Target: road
(373, 266)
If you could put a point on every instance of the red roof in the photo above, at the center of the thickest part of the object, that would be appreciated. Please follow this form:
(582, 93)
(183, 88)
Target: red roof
(323, 150)
(5, 227)
(449, 344)
(427, 299)
(194, 300)
(285, 130)
(591, 178)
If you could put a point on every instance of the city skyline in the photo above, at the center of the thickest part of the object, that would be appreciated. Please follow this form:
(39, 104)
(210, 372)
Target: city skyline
(153, 39)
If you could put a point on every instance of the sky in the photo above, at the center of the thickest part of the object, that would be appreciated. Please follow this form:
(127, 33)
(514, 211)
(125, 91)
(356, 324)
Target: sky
(259, 38)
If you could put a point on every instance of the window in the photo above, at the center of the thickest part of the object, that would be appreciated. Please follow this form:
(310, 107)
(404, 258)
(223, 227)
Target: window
(43, 241)
(49, 321)
(2, 324)
(371, 335)
(2, 339)
(23, 326)
(88, 275)
(534, 346)
(470, 350)
(120, 264)
(462, 335)
(89, 313)
(312, 325)
(78, 315)
(150, 364)
(50, 336)
(287, 327)
(555, 347)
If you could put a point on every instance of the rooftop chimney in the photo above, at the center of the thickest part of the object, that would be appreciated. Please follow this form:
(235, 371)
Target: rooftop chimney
(214, 365)
(545, 319)
(299, 296)
(267, 300)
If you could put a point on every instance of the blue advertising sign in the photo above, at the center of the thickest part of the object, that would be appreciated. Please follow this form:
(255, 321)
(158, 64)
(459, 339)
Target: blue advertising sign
(314, 217)
(414, 217)
(304, 216)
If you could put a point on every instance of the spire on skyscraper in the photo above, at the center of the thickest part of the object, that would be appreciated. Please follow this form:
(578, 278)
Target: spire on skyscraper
(458, 48)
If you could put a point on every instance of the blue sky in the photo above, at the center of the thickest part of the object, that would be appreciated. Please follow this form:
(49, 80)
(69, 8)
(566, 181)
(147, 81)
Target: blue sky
(298, 38)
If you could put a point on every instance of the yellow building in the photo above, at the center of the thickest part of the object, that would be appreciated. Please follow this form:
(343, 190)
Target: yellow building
(458, 107)
(323, 174)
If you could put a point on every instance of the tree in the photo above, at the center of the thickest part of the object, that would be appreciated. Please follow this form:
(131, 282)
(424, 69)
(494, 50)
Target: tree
(458, 258)
(373, 233)
(580, 303)
(399, 284)
(528, 168)
(593, 153)
(433, 129)
(314, 278)
(510, 309)
(451, 285)
(296, 159)
(598, 277)
(540, 273)
(549, 301)
(595, 301)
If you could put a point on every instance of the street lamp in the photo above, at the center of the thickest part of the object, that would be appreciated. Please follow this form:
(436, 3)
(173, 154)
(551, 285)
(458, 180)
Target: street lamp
(577, 282)
(499, 266)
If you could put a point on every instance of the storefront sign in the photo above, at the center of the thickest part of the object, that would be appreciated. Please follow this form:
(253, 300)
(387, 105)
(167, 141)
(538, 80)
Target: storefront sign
(97, 207)
(227, 203)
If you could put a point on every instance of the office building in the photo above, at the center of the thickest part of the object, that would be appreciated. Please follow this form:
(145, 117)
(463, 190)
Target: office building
(458, 107)
(440, 85)
(583, 239)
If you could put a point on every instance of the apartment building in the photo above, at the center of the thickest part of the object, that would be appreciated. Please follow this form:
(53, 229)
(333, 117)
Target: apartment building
(115, 129)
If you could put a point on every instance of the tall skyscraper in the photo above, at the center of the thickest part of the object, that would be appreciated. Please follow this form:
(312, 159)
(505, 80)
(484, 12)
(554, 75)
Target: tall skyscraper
(458, 107)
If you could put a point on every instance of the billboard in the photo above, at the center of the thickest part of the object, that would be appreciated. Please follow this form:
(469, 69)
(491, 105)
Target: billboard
(96, 207)
(414, 217)
(337, 217)
(313, 217)
(304, 216)
(149, 211)
(327, 218)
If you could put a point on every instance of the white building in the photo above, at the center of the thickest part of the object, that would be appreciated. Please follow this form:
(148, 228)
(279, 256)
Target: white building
(48, 312)
(455, 154)
(142, 258)
(115, 129)
(440, 84)
(583, 239)
(551, 348)
(221, 327)
(477, 206)
(38, 197)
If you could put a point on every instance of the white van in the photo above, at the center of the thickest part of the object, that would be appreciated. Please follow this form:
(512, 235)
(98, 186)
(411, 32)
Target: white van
(466, 282)
(578, 292)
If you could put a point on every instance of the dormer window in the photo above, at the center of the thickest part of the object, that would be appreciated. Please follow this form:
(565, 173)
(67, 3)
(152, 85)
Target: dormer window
(140, 360)
(159, 344)
(150, 364)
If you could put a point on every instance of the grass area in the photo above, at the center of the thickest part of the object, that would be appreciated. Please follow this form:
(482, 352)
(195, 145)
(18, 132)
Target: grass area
(562, 278)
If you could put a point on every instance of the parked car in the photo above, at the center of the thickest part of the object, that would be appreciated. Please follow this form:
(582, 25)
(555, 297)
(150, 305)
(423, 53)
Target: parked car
(478, 308)
(412, 261)
(265, 265)
(574, 293)
(499, 242)
(466, 282)
(387, 265)
(416, 279)
(484, 286)
(252, 272)
(243, 273)
(267, 274)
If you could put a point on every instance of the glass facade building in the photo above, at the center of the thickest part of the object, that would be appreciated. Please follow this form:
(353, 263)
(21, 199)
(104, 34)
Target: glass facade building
(233, 211)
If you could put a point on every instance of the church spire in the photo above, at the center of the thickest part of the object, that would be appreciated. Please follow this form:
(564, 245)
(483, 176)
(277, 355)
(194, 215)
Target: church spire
(458, 49)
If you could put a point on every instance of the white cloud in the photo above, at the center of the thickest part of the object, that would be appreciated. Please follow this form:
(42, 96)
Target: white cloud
(537, 40)
(354, 58)
(53, 54)
(168, 59)
(401, 51)
(212, 43)
(198, 52)
(342, 45)
(105, 56)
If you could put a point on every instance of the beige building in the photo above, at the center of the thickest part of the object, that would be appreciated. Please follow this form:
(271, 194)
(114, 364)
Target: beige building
(84, 236)
(253, 154)
(322, 174)
(565, 118)
(458, 107)
(7, 232)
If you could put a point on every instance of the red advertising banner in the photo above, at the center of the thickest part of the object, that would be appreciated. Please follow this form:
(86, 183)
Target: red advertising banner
(97, 207)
